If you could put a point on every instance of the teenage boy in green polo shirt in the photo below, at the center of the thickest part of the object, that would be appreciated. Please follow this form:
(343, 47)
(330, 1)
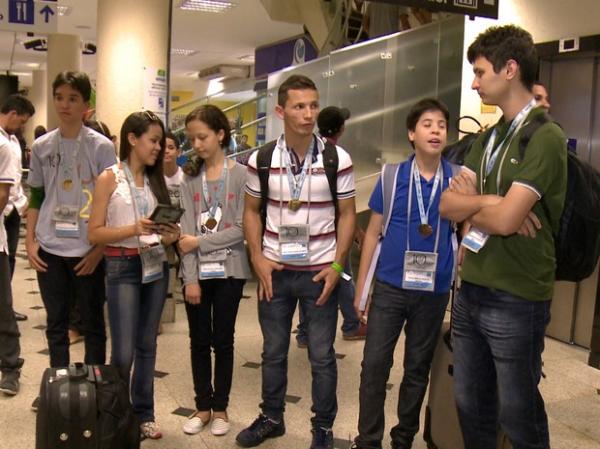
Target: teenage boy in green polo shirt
(513, 205)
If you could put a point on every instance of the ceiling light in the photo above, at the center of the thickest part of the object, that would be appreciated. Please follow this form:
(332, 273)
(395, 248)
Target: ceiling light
(207, 5)
(63, 10)
(32, 65)
(247, 58)
(182, 52)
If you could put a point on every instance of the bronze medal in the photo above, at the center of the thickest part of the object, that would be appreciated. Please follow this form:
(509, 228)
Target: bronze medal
(425, 230)
(67, 184)
(294, 205)
(211, 223)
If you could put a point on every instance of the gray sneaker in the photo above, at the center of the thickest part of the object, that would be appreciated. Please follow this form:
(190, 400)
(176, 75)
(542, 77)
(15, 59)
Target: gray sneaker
(9, 383)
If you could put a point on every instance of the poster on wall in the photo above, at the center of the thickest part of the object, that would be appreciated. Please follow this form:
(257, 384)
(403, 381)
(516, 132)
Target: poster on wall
(155, 92)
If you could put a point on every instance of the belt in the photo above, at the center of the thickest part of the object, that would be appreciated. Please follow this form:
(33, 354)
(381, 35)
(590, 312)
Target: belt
(120, 251)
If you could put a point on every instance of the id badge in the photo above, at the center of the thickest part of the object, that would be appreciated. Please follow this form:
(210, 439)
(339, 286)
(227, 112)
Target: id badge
(293, 242)
(67, 230)
(419, 271)
(212, 265)
(152, 263)
(65, 214)
(475, 240)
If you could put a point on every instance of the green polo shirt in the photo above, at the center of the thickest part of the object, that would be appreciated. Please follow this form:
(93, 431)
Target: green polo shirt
(519, 265)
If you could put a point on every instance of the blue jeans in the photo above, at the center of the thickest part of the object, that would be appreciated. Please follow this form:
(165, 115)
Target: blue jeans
(345, 299)
(275, 319)
(391, 308)
(134, 311)
(498, 344)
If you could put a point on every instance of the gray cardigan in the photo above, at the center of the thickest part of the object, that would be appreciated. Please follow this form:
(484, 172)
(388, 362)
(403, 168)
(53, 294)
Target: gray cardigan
(229, 234)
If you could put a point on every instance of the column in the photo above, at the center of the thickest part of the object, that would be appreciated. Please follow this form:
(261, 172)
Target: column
(64, 53)
(39, 97)
(133, 45)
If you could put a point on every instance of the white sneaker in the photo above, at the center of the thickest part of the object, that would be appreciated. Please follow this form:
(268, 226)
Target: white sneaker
(194, 424)
(219, 426)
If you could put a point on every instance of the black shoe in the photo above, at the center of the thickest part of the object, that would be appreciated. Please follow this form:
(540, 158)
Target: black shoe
(9, 383)
(322, 438)
(20, 316)
(35, 405)
(261, 429)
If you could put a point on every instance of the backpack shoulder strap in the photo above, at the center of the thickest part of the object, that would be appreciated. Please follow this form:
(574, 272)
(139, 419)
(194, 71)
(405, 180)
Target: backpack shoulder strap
(330, 164)
(389, 179)
(529, 130)
(263, 168)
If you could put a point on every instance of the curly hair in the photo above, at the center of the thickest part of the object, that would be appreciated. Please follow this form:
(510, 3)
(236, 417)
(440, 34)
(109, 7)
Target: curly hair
(499, 44)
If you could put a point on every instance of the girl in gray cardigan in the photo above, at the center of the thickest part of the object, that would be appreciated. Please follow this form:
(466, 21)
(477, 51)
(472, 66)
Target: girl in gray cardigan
(214, 264)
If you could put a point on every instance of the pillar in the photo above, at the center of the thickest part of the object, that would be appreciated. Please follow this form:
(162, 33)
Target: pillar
(64, 53)
(39, 97)
(133, 44)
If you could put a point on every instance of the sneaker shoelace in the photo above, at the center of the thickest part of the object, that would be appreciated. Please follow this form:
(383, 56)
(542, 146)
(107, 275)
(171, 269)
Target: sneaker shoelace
(262, 424)
(321, 436)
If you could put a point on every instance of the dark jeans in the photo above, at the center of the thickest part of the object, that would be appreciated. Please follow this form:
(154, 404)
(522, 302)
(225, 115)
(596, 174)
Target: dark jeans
(498, 344)
(134, 311)
(290, 287)
(57, 285)
(12, 222)
(345, 299)
(212, 324)
(423, 314)
(9, 331)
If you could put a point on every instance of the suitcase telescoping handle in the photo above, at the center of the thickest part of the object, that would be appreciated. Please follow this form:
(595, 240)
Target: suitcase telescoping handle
(78, 371)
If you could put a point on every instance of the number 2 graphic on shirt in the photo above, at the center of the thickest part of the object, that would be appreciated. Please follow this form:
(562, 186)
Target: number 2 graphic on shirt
(85, 210)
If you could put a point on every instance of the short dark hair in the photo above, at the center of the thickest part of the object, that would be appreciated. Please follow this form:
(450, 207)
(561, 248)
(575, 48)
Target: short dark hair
(99, 127)
(425, 105)
(498, 44)
(214, 118)
(138, 123)
(294, 82)
(171, 135)
(39, 131)
(18, 103)
(77, 80)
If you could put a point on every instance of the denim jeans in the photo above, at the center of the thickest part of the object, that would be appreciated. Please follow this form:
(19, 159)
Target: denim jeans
(345, 298)
(134, 311)
(391, 308)
(290, 287)
(212, 325)
(9, 331)
(57, 285)
(498, 344)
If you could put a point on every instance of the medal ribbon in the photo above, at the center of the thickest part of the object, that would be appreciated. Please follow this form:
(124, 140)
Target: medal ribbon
(490, 156)
(67, 171)
(140, 202)
(213, 206)
(417, 181)
(294, 183)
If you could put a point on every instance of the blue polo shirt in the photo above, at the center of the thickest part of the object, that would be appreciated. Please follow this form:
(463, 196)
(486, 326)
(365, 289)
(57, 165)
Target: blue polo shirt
(391, 259)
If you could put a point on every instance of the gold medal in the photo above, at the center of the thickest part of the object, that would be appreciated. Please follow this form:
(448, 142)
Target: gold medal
(67, 184)
(211, 223)
(294, 205)
(425, 230)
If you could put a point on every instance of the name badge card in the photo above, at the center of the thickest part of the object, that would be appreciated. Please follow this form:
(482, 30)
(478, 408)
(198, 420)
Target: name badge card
(212, 265)
(153, 259)
(66, 221)
(475, 240)
(419, 271)
(293, 242)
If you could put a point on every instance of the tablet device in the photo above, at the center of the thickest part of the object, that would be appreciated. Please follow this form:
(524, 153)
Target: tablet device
(166, 214)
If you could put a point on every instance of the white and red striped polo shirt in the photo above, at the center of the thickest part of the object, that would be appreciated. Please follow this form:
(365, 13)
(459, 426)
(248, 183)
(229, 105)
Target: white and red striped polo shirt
(319, 212)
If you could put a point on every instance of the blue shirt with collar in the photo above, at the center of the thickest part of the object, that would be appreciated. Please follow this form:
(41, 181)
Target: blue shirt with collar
(390, 266)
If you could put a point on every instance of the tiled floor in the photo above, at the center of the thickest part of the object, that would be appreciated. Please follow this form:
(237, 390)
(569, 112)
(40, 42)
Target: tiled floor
(571, 388)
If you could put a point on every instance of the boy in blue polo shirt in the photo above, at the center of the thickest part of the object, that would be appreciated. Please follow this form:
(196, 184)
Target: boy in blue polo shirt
(412, 278)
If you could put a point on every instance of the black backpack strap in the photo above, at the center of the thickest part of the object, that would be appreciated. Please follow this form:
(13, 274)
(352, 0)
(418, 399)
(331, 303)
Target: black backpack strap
(263, 168)
(331, 164)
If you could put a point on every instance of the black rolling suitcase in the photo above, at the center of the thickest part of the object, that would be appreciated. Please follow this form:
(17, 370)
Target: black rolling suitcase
(442, 429)
(85, 407)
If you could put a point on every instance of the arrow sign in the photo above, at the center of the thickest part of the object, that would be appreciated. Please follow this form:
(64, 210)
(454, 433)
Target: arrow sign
(47, 12)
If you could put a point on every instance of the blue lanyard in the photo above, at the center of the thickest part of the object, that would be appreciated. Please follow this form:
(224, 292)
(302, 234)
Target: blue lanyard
(216, 199)
(140, 202)
(490, 155)
(416, 178)
(296, 184)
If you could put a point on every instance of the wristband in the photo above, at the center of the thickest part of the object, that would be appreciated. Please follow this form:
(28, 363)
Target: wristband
(339, 269)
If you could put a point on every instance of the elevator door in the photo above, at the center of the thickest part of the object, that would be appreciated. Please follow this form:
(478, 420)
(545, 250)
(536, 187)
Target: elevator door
(574, 87)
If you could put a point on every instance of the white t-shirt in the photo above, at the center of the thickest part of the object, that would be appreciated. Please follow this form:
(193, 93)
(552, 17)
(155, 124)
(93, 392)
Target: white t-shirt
(8, 175)
(17, 197)
(321, 213)
(173, 183)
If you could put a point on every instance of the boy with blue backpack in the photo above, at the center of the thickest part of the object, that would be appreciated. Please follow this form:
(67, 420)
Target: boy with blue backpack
(410, 249)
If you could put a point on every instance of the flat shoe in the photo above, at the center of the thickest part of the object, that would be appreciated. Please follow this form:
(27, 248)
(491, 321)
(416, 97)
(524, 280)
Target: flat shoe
(219, 427)
(194, 425)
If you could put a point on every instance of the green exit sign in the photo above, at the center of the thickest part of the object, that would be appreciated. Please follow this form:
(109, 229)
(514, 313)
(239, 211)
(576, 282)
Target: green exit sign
(480, 8)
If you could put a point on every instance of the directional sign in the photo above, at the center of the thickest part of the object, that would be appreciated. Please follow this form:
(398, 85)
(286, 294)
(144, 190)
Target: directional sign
(481, 8)
(29, 16)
